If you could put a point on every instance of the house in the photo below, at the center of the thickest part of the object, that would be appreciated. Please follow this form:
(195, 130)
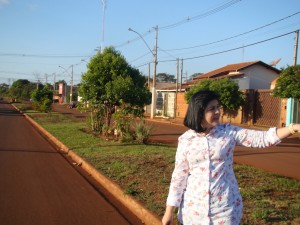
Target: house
(254, 75)
(248, 75)
(161, 99)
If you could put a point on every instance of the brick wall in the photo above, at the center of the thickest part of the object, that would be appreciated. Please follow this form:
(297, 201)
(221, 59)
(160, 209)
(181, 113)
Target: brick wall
(181, 105)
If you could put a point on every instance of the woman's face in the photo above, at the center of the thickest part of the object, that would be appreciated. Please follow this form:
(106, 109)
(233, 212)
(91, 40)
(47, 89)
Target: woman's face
(211, 115)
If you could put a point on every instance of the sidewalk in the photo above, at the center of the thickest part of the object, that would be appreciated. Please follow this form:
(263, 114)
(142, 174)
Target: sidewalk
(283, 159)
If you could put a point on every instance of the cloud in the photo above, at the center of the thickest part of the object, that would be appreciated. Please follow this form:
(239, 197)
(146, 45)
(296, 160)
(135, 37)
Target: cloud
(4, 2)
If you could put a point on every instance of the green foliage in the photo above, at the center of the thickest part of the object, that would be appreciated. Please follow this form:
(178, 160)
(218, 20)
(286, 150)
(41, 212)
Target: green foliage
(42, 99)
(21, 89)
(142, 132)
(122, 122)
(111, 82)
(231, 98)
(203, 85)
(288, 83)
(164, 77)
(45, 105)
(4, 88)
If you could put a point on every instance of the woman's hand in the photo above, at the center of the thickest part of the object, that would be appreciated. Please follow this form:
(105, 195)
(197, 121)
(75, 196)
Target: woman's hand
(284, 132)
(168, 216)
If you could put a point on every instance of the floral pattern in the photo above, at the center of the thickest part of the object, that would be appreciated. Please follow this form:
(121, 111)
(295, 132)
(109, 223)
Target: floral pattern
(203, 183)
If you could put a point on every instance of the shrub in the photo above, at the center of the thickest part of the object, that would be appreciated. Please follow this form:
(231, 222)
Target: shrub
(142, 132)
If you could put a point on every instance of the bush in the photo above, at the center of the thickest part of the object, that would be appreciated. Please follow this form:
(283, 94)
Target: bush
(231, 98)
(42, 99)
(142, 132)
(45, 105)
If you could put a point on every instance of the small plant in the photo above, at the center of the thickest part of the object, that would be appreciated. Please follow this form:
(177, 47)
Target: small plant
(131, 189)
(142, 132)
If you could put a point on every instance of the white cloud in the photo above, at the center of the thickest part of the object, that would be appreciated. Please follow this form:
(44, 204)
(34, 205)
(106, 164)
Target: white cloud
(4, 2)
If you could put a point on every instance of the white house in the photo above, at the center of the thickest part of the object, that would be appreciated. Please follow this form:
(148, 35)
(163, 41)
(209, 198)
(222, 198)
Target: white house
(248, 75)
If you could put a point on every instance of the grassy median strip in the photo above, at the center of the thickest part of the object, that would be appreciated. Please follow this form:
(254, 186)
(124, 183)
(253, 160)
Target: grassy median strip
(144, 172)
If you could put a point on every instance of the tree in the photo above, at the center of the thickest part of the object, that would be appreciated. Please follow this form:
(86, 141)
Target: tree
(21, 89)
(110, 83)
(42, 99)
(4, 88)
(164, 77)
(231, 98)
(288, 83)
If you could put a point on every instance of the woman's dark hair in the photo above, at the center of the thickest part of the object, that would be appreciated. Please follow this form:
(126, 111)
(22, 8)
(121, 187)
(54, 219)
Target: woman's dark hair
(196, 108)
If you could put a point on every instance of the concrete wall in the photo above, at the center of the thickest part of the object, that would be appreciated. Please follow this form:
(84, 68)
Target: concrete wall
(260, 77)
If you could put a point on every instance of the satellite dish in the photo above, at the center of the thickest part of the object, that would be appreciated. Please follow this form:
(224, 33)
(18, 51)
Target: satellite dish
(275, 62)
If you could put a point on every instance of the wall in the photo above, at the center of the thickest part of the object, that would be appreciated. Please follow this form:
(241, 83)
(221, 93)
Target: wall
(181, 105)
(241, 116)
(260, 77)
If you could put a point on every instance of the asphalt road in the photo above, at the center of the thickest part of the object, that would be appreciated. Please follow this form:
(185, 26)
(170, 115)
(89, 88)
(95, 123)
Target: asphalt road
(38, 185)
(283, 159)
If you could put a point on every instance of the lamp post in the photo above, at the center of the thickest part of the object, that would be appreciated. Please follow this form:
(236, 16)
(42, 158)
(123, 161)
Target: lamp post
(154, 53)
(71, 88)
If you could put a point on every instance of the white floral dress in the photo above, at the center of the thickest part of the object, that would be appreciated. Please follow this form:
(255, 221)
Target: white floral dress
(203, 183)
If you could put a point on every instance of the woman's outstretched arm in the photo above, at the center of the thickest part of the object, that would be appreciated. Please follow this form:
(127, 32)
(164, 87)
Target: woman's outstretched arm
(284, 132)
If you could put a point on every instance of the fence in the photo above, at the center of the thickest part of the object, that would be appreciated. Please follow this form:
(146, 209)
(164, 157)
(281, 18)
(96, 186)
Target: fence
(261, 108)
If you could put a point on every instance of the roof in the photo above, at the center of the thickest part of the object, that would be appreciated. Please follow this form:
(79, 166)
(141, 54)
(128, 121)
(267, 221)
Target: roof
(233, 70)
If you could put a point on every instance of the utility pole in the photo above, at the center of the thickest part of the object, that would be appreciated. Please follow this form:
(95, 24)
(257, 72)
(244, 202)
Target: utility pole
(181, 68)
(175, 100)
(71, 89)
(153, 102)
(296, 48)
(290, 101)
(149, 75)
(54, 91)
(54, 88)
(154, 53)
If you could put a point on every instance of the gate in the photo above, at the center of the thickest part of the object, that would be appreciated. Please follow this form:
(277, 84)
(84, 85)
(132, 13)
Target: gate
(266, 109)
(169, 103)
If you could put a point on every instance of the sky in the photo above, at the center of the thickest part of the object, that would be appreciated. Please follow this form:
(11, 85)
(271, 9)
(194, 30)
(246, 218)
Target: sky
(44, 40)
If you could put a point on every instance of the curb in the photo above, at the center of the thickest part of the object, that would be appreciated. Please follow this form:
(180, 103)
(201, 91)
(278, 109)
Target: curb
(131, 204)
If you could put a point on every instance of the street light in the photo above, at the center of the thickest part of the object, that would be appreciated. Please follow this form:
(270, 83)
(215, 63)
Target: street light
(71, 89)
(153, 101)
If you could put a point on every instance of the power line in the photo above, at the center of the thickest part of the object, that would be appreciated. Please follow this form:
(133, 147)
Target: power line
(238, 35)
(229, 50)
(42, 56)
(139, 57)
(200, 16)
(197, 17)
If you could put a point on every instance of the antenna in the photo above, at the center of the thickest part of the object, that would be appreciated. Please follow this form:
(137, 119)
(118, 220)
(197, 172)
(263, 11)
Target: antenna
(275, 62)
(103, 16)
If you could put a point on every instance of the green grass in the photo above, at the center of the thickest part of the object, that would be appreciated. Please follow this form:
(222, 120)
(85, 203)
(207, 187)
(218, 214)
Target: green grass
(144, 171)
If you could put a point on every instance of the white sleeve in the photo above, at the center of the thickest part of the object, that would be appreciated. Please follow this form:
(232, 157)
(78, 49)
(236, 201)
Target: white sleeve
(257, 139)
(179, 176)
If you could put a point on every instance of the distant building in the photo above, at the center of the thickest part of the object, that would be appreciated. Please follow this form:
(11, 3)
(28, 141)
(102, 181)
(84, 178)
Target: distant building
(248, 75)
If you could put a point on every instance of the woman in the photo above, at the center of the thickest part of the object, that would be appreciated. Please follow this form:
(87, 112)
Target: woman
(203, 183)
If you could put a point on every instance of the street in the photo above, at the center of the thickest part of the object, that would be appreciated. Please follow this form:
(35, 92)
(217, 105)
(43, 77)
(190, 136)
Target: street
(283, 159)
(40, 186)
